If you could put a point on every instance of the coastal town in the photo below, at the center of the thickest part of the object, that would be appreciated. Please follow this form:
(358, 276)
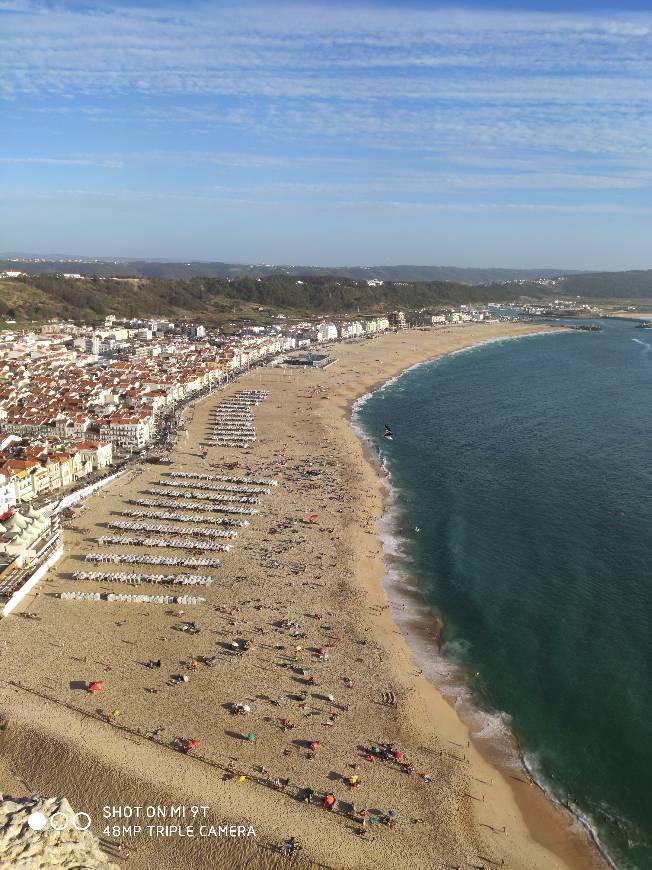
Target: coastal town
(325, 343)
(205, 585)
(77, 402)
(73, 398)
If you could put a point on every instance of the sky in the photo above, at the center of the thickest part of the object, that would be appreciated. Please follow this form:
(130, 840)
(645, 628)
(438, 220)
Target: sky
(475, 134)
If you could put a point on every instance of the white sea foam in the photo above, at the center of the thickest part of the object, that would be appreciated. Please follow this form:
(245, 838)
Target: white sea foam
(582, 821)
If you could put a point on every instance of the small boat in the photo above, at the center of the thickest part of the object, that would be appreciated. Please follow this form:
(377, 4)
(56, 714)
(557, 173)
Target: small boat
(388, 433)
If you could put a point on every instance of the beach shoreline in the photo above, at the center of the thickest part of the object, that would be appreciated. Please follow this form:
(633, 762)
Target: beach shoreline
(334, 567)
(414, 617)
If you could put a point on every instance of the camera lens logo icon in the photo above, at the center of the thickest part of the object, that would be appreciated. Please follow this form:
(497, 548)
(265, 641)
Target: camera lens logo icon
(59, 821)
(37, 822)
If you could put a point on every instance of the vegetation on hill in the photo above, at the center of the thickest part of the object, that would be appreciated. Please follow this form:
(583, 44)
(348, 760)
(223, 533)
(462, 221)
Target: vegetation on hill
(631, 285)
(216, 299)
(186, 271)
(635, 284)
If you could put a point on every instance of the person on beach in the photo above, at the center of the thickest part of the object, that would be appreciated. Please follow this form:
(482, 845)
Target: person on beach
(330, 801)
(288, 847)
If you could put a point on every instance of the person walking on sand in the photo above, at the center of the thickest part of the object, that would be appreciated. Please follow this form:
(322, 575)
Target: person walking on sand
(288, 847)
(330, 801)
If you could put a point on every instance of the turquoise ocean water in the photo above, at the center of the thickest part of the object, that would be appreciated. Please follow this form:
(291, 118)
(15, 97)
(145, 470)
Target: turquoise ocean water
(521, 475)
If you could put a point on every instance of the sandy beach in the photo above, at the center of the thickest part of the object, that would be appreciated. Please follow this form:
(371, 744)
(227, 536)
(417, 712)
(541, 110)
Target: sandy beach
(290, 588)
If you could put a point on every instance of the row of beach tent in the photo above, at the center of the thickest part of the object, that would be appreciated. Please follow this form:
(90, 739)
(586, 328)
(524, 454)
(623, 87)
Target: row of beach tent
(223, 478)
(141, 559)
(198, 506)
(177, 544)
(131, 526)
(134, 599)
(137, 579)
(233, 422)
(181, 498)
(182, 518)
(206, 496)
(214, 487)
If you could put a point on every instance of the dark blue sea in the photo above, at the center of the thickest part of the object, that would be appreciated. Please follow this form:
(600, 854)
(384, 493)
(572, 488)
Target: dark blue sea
(521, 479)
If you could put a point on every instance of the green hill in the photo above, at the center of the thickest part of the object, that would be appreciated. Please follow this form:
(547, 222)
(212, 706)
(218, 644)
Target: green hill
(216, 300)
(635, 284)
(188, 270)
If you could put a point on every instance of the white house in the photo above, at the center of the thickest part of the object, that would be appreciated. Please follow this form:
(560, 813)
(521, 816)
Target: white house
(7, 494)
(126, 431)
(98, 453)
(326, 332)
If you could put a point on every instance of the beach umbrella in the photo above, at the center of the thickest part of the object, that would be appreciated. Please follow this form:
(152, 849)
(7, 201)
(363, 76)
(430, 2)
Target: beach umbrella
(313, 518)
(95, 686)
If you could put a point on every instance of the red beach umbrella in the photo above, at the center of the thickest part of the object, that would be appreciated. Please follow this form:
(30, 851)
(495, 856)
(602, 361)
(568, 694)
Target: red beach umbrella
(95, 686)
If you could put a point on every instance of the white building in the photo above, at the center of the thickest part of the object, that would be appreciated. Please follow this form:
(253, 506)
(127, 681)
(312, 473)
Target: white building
(326, 332)
(8, 496)
(98, 453)
(127, 431)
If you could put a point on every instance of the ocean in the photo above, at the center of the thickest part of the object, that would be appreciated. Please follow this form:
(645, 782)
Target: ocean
(520, 515)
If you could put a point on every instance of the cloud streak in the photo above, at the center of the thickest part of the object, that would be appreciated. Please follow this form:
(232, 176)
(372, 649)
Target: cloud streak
(352, 107)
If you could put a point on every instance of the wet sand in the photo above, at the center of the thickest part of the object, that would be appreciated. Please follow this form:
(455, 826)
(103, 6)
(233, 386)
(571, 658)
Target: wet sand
(101, 749)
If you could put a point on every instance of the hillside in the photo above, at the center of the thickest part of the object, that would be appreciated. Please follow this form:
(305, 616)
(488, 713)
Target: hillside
(635, 284)
(42, 298)
(188, 270)
(215, 300)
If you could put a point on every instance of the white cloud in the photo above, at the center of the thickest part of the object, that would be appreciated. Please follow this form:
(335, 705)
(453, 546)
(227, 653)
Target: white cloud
(468, 103)
(108, 163)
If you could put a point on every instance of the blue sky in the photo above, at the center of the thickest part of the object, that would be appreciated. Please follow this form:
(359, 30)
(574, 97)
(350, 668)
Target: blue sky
(299, 132)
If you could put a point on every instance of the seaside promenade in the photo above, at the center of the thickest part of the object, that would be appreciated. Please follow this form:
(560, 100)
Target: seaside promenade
(290, 676)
